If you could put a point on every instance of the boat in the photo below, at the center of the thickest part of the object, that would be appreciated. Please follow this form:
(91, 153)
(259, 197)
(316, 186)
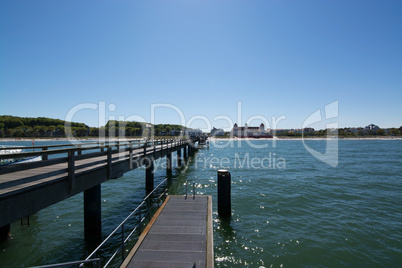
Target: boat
(12, 161)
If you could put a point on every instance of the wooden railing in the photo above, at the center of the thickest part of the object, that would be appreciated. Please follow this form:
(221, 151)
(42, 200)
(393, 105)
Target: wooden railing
(84, 151)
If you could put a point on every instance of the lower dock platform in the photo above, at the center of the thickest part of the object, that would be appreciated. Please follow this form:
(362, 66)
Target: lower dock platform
(179, 235)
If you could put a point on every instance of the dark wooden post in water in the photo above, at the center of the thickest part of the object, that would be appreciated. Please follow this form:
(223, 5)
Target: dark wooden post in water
(224, 193)
(93, 215)
(169, 163)
(191, 148)
(149, 174)
(185, 153)
(5, 232)
(179, 157)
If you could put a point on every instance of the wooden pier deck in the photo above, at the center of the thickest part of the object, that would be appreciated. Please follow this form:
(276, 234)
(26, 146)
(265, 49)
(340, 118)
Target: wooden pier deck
(29, 187)
(179, 235)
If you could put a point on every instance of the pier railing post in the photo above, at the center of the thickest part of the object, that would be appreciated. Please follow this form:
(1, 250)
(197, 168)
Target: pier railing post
(130, 153)
(109, 162)
(71, 171)
(79, 151)
(149, 174)
(224, 193)
(44, 156)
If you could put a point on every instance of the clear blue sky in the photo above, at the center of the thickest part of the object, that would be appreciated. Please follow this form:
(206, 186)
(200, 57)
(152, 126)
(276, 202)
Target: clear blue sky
(278, 58)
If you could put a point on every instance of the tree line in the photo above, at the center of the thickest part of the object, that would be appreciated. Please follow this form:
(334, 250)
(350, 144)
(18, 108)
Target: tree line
(27, 127)
(344, 132)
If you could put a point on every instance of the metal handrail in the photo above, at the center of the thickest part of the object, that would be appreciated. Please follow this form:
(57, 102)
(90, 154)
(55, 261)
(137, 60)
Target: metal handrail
(141, 217)
(185, 197)
(95, 261)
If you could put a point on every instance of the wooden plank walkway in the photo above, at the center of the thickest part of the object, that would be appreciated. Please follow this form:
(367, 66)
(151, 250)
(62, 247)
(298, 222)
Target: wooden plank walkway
(179, 235)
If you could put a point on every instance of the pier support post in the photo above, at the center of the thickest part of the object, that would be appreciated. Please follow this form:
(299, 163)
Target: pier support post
(224, 193)
(149, 174)
(191, 149)
(169, 163)
(5, 232)
(179, 157)
(93, 215)
(185, 153)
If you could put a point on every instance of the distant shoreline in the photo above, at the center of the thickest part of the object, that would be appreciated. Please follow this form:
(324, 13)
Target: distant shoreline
(209, 138)
(311, 138)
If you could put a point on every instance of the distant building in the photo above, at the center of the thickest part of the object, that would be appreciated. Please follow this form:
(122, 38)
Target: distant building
(308, 130)
(250, 132)
(354, 130)
(217, 132)
(193, 132)
(372, 127)
(280, 131)
(174, 132)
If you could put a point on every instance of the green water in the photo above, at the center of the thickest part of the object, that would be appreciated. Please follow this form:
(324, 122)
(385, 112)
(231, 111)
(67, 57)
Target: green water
(289, 209)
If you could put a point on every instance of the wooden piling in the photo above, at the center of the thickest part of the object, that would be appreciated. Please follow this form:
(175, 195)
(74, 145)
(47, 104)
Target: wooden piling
(5, 232)
(149, 174)
(224, 193)
(93, 215)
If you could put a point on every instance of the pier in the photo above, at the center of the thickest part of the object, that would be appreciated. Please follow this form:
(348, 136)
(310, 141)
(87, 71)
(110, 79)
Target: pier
(179, 235)
(29, 187)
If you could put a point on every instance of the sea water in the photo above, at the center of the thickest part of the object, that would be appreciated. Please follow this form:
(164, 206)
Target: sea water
(289, 208)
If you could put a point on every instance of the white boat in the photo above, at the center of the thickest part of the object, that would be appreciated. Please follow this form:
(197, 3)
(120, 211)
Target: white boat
(11, 161)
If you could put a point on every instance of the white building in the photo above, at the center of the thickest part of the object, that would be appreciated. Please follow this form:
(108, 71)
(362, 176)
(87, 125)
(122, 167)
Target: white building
(247, 131)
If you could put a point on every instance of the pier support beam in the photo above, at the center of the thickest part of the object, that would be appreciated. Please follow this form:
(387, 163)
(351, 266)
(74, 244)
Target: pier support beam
(93, 215)
(169, 164)
(179, 157)
(149, 174)
(5, 232)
